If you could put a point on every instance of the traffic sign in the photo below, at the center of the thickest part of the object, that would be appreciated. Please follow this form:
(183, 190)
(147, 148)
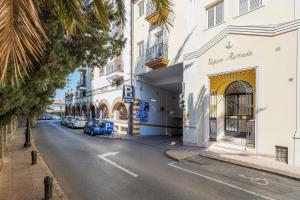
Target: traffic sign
(128, 93)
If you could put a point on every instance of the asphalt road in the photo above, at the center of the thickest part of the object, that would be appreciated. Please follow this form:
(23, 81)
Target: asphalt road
(93, 168)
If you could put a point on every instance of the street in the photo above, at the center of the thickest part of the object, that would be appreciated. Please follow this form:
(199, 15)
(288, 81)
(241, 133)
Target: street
(101, 168)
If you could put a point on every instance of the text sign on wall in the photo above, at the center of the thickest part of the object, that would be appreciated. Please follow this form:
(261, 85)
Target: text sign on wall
(128, 93)
(232, 56)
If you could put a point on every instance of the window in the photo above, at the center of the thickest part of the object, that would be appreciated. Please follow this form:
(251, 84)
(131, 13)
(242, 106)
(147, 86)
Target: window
(248, 5)
(141, 9)
(215, 14)
(141, 49)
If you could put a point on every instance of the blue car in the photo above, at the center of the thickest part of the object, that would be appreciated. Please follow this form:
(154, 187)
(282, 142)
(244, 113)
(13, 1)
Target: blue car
(98, 127)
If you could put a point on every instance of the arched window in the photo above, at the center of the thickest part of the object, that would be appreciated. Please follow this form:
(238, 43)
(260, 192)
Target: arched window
(103, 112)
(120, 112)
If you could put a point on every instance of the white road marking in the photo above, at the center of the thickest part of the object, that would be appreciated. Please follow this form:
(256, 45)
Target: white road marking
(103, 157)
(259, 181)
(221, 182)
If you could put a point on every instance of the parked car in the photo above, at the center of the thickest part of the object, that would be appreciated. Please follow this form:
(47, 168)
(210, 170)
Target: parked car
(77, 122)
(65, 120)
(98, 127)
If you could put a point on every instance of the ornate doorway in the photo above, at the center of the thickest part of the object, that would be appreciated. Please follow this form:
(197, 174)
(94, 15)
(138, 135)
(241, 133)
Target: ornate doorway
(238, 109)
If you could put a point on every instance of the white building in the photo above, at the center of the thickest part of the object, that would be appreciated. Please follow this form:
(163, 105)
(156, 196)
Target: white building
(157, 57)
(241, 74)
(235, 61)
(99, 91)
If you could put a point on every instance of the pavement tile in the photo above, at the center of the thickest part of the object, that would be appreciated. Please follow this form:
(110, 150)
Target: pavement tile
(19, 180)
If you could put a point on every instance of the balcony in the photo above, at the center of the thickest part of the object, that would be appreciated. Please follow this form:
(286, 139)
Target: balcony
(81, 85)
(157, 56)
(152, 13)
(114, 70)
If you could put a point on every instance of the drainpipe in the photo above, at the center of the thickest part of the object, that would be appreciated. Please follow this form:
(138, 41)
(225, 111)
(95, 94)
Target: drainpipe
(297, 132)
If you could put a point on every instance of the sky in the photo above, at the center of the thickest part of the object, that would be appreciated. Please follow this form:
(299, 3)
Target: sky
(73, 78)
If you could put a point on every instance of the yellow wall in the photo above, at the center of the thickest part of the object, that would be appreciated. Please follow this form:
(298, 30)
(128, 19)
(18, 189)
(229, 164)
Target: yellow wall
(221, 82)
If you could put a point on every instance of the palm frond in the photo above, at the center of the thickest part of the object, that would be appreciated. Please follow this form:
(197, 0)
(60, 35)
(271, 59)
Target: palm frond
(120, 10)
(165, 12)
(102, 13)
(21, 37)
(70, 14)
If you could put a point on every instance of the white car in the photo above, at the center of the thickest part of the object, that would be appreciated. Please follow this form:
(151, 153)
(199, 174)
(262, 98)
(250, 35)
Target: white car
(77, 122)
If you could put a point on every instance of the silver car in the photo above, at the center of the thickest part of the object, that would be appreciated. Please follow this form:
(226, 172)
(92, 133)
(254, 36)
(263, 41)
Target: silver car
(77, 122)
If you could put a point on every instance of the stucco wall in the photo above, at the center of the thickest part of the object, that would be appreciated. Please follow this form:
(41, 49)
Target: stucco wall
(274, 59)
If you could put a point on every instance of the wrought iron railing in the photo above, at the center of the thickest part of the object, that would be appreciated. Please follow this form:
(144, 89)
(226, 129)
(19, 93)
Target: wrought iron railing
(150, 9)
(114, 66)
(81, 83)
(156, 52)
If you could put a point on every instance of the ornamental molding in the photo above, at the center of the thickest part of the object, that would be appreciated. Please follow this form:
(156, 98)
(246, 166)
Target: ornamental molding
(264, 31)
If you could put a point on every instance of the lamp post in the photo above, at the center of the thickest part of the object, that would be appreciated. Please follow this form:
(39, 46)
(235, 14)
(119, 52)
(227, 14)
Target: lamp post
(27, 134)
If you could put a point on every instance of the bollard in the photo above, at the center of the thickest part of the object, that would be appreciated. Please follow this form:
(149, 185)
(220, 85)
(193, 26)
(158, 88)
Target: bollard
(34, 157)
(48, 187)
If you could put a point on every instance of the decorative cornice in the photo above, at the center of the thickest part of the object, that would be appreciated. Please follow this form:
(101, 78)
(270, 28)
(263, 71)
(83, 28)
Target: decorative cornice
(265, 31)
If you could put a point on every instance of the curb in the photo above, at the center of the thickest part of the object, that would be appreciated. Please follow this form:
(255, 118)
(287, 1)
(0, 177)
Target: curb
(252, 166)
(238, 163)
(169, 155)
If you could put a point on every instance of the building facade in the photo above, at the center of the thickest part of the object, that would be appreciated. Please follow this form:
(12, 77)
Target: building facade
(157, 67)
(241, 75)
(99, 91)
(235, 62)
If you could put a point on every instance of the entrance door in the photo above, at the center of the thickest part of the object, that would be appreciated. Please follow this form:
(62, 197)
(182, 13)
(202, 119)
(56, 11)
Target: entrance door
(238, 109)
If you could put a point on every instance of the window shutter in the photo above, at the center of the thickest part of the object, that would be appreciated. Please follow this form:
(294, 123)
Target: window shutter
(219, 13)
(211, 17)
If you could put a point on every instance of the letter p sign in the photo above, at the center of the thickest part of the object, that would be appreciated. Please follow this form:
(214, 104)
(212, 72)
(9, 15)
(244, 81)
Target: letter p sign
(128, 93)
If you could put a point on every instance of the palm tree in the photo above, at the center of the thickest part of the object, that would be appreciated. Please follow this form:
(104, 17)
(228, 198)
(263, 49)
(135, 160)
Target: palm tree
(22, 35)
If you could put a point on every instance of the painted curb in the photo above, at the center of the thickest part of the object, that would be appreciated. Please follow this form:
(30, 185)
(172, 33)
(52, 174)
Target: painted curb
(252, 166)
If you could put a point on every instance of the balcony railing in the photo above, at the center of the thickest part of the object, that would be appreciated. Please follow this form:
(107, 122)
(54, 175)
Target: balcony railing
(81, 85)
(150, 9)
(157, 55)
(114, 66)
(152, 13)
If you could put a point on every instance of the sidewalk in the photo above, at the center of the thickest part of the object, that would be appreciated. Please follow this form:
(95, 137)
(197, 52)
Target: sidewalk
(242, 159)
(19, 180)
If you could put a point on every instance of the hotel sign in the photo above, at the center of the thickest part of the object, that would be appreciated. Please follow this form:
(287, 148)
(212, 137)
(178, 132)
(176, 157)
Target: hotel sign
(232, 56)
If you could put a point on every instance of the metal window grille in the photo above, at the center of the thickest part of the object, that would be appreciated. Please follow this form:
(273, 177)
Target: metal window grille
(255, 4)
(243, 6)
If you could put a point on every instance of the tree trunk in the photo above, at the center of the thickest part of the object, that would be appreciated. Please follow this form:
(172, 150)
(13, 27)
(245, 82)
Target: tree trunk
(28, 134)
(2, 145)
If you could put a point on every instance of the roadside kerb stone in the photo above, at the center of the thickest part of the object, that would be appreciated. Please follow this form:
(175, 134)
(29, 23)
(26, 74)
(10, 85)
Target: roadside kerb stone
(179, 155)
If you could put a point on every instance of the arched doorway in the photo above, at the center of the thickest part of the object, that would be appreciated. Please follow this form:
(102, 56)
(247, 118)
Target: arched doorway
(73, 110)
(120, 111)
(103, 111)
(92, 111)
(84, 110)
(239, 109)
(78, 111)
